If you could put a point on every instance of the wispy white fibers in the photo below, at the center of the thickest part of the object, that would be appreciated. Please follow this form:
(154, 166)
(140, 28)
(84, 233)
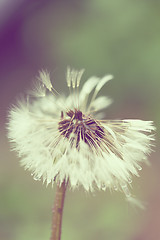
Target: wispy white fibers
(59, 138)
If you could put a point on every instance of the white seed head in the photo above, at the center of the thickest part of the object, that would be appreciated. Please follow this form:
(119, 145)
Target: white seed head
(58, 140)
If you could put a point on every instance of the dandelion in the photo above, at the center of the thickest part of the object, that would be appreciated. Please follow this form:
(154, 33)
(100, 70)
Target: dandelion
(62, 139)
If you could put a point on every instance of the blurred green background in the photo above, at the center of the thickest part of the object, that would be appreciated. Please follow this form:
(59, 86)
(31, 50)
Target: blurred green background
(103, 36)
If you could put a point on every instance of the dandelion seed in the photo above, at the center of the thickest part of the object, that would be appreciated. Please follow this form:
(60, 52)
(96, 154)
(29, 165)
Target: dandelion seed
(59, 139)
(38, 90)
(44, 77)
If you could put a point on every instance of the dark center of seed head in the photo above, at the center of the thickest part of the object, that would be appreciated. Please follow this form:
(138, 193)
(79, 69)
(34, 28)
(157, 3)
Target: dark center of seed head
(77, 114)
(84, 127)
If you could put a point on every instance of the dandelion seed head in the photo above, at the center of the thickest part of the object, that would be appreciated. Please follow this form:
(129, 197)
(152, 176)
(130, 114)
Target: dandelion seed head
(61, 138)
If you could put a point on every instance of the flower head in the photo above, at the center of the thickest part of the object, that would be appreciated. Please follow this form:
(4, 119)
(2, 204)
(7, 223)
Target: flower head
(61, 138)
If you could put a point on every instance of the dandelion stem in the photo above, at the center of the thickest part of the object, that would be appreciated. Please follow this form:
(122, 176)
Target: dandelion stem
(58, 211)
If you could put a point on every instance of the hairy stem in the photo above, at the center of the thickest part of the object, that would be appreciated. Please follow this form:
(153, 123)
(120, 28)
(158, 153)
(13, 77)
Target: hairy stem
(58, 211)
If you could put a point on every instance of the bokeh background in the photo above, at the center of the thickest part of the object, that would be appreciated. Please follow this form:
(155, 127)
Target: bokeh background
(103, 36)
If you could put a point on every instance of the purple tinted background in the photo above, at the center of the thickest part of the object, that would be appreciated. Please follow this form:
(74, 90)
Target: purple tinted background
(17, 68)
